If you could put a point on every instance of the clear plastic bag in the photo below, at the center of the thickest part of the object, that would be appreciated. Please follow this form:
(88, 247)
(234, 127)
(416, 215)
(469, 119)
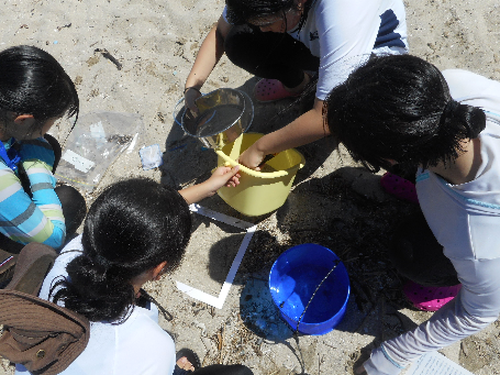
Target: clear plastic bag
(94, 144)
(151, 157)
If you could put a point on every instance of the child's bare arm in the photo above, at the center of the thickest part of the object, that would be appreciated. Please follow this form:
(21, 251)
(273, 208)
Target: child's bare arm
(209, 55)
(306, 129)
(222, 176)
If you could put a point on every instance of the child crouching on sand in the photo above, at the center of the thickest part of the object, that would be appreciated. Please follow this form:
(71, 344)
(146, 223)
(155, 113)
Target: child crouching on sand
(403, 110)
(135, 231)
(35, 92)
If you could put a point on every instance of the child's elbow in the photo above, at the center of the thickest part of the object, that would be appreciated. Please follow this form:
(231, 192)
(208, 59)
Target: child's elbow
(57, 238)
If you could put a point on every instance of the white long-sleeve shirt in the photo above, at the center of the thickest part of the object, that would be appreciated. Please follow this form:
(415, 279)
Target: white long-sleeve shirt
(465, 219)
(343, 34)
(136, 346)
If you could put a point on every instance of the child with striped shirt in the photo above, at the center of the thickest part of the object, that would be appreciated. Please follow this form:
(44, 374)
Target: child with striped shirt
(35, 91)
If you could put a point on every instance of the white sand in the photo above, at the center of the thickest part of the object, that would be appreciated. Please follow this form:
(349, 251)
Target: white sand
(156, 42)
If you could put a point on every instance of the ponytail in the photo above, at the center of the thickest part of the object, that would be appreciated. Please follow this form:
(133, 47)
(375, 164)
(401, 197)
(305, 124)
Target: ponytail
(467, 120)
(95, 291)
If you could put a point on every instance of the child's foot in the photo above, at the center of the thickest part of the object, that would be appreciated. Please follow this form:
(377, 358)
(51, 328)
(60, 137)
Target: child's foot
(268, 90)
(430, 298)
(399, 187)
(184, 364)
(187, 362)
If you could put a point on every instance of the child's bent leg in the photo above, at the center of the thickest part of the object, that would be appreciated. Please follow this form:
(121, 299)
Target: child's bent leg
(418, 256)
(73, 203)
(269, 55)
(73, 206)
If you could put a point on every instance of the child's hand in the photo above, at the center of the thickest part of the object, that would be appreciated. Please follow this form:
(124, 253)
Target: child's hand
(224, 176)
(190, 96)
(252, 158)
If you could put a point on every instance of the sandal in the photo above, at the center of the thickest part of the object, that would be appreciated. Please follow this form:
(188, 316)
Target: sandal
(192, 358)
(399, 187)
(268, 90)
(430, 298)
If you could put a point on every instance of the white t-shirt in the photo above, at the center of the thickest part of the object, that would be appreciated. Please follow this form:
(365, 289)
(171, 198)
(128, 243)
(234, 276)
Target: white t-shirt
(465, 219)
(137, 346)
(343, 33)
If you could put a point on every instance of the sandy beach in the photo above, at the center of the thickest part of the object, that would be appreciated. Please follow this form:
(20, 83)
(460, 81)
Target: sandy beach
(132, 57)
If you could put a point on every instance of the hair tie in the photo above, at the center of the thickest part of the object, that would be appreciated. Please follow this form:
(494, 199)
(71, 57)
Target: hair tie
(100, 261)
(448, 111)
(450, 108)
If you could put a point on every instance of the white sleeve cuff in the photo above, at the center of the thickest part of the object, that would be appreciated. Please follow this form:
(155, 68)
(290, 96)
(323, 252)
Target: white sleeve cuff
(381, 364)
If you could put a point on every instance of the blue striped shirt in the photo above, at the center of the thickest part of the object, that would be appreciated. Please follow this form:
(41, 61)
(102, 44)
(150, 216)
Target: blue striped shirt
(40, 218)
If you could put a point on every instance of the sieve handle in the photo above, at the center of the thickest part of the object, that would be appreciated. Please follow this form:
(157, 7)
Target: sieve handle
(249, 171)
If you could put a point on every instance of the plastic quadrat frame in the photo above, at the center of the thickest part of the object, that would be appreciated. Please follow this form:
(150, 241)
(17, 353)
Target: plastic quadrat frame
(250, 228)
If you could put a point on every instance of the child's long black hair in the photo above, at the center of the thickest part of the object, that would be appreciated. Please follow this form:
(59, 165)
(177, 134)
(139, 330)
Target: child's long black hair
(132, 227)
(400, 108)
(33, 82)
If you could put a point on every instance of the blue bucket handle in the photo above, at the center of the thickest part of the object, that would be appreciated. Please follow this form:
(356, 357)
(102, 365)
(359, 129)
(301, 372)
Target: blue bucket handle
(175, 113)
(336, 263)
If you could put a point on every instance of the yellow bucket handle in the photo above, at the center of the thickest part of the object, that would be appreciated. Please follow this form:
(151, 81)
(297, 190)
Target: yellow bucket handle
(248, 171)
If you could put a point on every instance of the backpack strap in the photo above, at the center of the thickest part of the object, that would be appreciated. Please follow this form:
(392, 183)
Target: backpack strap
(32, 265)
(42, 336)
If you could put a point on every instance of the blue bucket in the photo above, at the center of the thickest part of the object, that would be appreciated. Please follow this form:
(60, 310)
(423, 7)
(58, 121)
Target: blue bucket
(294, 278)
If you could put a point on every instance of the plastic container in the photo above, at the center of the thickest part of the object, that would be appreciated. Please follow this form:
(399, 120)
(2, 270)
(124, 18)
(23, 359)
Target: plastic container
(293, 280)
(223, 115)
(259, 192)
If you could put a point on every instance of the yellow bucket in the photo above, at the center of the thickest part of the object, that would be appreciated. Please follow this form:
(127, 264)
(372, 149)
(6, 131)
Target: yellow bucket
(259, 192)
